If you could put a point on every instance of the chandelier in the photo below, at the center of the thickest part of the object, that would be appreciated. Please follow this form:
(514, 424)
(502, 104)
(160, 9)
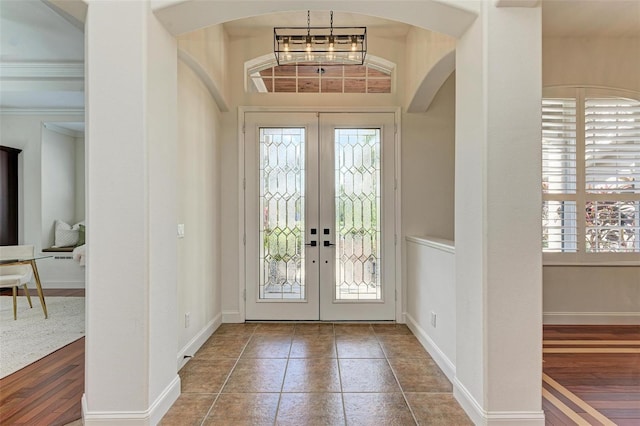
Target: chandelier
(320, 45)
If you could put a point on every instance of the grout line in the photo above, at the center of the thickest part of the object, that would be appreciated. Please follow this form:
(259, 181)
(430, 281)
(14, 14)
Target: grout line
(576, 400)
(284, 377)
(335, 346)
(395, 376)
(228, 377)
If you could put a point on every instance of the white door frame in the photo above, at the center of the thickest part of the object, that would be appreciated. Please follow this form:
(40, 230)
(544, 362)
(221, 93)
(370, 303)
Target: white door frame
(399, 284)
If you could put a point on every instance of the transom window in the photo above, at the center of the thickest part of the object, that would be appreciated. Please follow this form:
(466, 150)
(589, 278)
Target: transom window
(591, 175)
(268, 77)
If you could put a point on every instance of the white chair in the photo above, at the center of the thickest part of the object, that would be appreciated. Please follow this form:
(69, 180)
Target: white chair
(14, 274)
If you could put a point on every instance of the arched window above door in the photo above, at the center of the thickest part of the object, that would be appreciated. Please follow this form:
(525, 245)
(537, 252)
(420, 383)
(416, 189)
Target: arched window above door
(264, 75)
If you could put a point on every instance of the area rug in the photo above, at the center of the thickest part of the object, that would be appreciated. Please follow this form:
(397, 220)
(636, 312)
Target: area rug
(31, 336)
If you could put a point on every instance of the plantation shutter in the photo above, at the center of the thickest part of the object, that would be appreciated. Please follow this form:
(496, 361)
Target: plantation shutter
(559, 146)
(612, 145)
(559, 171)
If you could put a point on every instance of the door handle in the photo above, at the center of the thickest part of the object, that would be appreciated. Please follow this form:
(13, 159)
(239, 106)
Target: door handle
(312, 244)
(328, 244)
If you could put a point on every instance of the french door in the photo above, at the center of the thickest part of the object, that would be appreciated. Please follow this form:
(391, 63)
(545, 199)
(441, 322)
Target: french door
(320, 216)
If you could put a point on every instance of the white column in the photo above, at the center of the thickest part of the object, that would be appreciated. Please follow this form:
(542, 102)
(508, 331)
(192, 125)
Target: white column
(498, 204)
(131, 344)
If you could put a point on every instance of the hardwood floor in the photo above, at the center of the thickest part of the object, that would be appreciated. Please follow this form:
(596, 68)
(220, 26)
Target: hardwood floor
(591, 375)
(47, 392)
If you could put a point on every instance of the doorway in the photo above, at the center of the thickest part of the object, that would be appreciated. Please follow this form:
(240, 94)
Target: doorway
(319, 216)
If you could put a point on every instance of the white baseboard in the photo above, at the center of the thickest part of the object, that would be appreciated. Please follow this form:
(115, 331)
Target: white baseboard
(198, 340)
(592, 318)
(61, 284)
(232, 317)
(480, 417)
(445, 364)
(149, 417)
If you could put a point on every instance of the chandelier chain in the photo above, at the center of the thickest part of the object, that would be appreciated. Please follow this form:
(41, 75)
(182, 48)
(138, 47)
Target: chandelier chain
(331, 23)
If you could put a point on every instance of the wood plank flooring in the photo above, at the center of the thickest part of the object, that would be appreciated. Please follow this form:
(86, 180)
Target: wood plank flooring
(591, 375)
(47, 392)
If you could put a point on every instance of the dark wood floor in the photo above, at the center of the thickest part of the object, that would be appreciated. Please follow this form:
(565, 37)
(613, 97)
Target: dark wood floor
(591, 377)
(47, 392)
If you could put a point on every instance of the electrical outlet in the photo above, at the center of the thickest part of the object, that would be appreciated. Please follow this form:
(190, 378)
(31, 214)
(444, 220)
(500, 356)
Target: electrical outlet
(181, 230)
(433, 319)
(187, 319)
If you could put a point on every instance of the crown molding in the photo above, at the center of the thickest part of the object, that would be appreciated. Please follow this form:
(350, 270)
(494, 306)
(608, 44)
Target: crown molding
(62, 130)
(517, 3)
(42, 111)
(41, 70)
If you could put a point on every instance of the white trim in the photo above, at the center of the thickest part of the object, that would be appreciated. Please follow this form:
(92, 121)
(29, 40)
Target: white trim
(468, 403)
(591, 318)
(151, 416)
(240, 316)
(399, 261)
(62, 284)
(443, 361)
(42, 111)
(206, 79)
(233, 317)
(517, 3)
(481, 417)
(515, 418)
(42, 70)
(62, 130)
(190, 349)
(560, 262)
(433, 242)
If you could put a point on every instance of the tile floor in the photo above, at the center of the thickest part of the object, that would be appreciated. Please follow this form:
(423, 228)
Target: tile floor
(314, 374)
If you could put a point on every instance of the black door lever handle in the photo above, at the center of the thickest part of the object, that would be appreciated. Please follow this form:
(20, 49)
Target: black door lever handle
(328, 243)
(312, 244)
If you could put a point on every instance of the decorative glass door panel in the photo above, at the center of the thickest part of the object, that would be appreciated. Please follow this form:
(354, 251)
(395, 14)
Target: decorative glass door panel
(282, 168)
(357, 203)
(319, 216)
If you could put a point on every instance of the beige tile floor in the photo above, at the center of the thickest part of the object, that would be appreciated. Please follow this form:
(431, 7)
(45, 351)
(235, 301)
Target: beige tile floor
(314, 374)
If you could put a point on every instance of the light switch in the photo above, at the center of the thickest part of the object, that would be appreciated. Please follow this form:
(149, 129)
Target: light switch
(181, 230)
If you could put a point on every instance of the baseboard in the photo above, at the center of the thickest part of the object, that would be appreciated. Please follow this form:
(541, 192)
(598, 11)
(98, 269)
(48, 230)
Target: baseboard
(445, 364)
(149, 417)
(479, 416)
(198, 340)
(61, 284)
(232, 317)
(592, 318)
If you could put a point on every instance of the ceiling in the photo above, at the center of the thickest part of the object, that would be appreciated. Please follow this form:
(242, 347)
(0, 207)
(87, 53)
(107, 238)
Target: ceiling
(42, 50)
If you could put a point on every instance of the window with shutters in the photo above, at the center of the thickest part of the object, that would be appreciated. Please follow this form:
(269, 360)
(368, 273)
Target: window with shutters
(590, 176)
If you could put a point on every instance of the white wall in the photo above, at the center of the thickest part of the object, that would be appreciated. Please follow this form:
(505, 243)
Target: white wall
(592, 295)
(603, 61)
(424, 50)
(80, 179)
(25, 132)
(428, 167)
(199, 209)
(431, 288)
(58, 182)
